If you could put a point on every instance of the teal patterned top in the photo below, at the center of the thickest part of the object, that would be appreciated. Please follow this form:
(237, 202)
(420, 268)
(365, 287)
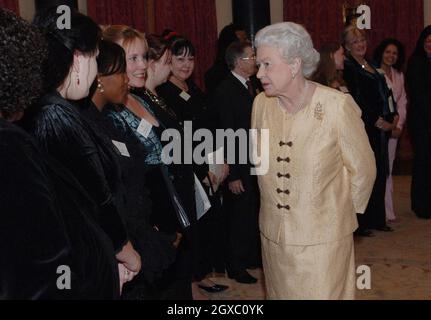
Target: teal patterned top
(152, 143)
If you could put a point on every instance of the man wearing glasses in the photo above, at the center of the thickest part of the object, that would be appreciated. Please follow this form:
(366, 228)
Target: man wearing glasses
(234, 100)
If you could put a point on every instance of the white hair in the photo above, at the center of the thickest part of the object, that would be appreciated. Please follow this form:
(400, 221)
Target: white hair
(293, 41)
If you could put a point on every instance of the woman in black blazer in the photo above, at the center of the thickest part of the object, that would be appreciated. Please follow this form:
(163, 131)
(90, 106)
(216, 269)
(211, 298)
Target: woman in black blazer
(368, 87)
(189, 104)
(68, 137)
(47, 219)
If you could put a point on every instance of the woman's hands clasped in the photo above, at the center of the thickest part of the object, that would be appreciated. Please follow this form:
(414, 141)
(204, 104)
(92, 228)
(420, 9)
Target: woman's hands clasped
(387, 126)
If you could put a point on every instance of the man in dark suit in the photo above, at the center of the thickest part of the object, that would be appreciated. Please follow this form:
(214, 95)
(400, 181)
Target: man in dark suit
(234, 100)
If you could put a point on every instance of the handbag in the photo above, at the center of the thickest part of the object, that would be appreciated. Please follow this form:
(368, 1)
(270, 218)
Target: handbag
(183, 219)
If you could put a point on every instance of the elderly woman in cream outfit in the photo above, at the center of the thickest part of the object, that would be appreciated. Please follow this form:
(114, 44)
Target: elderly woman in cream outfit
(321, 171)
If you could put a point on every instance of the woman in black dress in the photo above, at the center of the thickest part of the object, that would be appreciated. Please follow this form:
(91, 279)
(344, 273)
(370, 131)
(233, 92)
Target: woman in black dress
(189, 104)
(47, 220)
(70, 138)
(368, 87)
(171, 187)
(418, 84)
(156, 248)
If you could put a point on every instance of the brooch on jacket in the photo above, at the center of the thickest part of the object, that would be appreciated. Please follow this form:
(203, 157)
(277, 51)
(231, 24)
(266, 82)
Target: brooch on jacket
(318, 112)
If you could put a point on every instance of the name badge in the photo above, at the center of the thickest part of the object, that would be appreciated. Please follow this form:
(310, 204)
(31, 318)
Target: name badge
(122, 148)
(391, 105)
(185, 96)
(144, 128)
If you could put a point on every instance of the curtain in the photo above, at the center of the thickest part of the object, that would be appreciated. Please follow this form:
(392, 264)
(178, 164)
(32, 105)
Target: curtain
(401, 19)
(11, 5)
(128, 12)
(196, 20)
(322, 19)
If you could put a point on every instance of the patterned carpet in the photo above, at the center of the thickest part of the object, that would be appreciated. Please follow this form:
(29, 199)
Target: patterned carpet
(400, 262)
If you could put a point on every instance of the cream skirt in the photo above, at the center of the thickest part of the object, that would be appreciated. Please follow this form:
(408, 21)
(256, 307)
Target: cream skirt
(318, 272)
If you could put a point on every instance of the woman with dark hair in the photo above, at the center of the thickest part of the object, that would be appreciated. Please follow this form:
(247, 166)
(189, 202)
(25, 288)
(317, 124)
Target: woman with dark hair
(159, 70)
(389, 55)
(48, 220)
(110, 90)
(190, 104)
(368, 87)
(381, 54)
(69, 137)
(330, 67)
(418, 80)
(171, 188)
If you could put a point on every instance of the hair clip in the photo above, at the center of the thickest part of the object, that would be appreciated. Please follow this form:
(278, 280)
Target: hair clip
(171, 35)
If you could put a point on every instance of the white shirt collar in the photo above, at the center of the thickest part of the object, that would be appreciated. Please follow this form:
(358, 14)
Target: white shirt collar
(240, 78)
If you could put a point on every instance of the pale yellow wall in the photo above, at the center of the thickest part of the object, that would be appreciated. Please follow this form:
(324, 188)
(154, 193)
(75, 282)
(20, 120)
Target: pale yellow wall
(427, 12)
(276, 11)
(224, 13)
(27, 9)
(82, 6)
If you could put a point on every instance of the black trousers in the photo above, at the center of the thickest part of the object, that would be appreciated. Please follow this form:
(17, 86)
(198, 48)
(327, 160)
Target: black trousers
(375, 214)
(212, 239)
(243, 238)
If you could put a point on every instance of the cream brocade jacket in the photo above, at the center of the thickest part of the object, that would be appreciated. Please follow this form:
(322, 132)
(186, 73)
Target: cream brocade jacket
(321, 168)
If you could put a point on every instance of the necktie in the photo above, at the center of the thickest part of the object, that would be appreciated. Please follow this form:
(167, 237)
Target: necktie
(250, 88)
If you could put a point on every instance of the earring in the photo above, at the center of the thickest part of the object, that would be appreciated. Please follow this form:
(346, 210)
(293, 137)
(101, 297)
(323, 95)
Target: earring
(293, 76)
(100, 86)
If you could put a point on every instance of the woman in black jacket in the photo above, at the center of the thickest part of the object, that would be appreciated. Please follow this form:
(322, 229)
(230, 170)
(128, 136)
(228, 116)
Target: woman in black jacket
(418, 84)
(156, 248)
(189, 105)
(68, 137)
(368, 87)
(171, 187)
(47, 220)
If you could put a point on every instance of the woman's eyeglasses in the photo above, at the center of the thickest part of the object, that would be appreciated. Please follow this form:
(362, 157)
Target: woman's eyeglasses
(249, 58)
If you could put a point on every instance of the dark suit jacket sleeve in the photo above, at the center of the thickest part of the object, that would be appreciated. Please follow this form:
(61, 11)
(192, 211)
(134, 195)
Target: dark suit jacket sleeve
(224, 101)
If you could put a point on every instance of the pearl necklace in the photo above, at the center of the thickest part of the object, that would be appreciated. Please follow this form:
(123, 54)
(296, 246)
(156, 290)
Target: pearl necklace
(301, 103)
